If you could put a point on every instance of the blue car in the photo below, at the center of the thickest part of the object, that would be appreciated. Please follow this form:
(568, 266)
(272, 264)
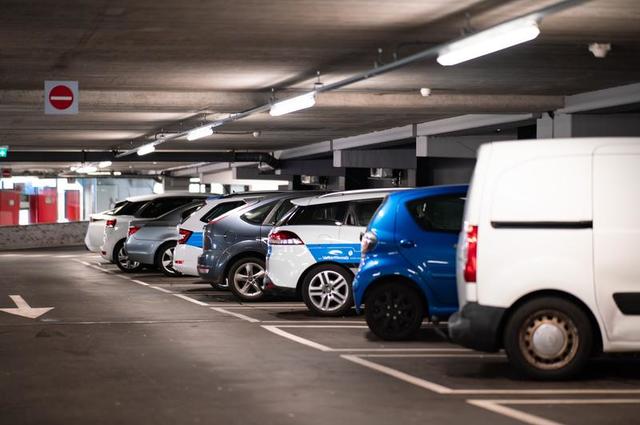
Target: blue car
(408, 266)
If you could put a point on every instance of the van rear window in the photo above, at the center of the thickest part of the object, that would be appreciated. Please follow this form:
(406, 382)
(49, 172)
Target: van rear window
(438, 213)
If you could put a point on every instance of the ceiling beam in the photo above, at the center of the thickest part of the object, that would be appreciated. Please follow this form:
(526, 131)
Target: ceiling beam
(601, 99)
(77, 156)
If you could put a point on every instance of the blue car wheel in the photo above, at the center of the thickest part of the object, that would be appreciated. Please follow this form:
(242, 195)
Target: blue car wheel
(394, 311)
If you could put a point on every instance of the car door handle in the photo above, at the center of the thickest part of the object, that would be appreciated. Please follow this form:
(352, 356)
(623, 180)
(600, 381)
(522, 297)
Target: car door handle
(406, 243)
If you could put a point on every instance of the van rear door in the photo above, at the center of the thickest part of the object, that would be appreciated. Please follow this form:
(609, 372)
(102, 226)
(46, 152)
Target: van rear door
(616, 232)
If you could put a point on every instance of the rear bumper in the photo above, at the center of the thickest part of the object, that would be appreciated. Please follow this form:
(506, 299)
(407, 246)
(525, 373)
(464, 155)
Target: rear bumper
(273, 289)
(209, 268)
(478, 327)
(185, 259)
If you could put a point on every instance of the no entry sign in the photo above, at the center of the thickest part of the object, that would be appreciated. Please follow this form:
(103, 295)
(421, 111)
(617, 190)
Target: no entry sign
(60, 97)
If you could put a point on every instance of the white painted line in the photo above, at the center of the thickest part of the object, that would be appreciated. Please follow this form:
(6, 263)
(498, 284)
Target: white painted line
(325, 326)
(284, 321)
(191, 300)
(65, 256)
(139, 282)
(423, 355)
(498, 406)
(441, 389)
(157, 288)
(431, 386)
(238, 315)
(242, 307)
(399, 349)
(276, 330)
(509, 412)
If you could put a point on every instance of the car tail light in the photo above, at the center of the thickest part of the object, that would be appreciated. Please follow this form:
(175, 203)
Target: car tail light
(368, 242)
(133, 229)
(284, 237)
(111, 222)
(471, 265)
(184, 235)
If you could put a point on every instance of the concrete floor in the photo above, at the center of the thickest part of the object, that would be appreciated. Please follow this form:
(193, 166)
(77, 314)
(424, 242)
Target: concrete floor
(143, 348)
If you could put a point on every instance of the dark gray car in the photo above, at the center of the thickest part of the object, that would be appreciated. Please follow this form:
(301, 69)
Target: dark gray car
(235, 246)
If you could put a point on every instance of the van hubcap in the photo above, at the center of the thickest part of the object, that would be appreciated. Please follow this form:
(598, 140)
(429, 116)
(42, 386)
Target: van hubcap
(328, 290)
(549, 340)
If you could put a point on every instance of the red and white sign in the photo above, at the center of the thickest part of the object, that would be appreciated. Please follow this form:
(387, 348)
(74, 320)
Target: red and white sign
(60, 97)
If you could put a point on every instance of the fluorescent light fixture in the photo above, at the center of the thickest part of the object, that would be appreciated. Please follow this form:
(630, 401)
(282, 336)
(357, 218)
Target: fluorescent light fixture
(194, 180)
(99, 173)
(146, 149)
(86, 169)
(297, 103)
(104, 164)
(200, 132)
(497, 38)
(117, 173)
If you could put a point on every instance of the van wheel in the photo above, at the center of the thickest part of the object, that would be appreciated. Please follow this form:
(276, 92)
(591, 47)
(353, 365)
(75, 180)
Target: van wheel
(326, 290)
(164, 259)
(121, 259)
(246, 278)
(394, 311)
(548, 338)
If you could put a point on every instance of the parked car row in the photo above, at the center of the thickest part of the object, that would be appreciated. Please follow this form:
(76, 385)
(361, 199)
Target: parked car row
(534, 257)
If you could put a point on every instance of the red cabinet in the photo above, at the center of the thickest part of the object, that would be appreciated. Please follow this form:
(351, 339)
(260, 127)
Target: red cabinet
(9, 208)
(43, 206)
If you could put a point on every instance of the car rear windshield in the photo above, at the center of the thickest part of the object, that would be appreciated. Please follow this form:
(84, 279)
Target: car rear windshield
(258, 214)
(162, 206)
(438, 213)
(129, 208)
(220, 209)
(332, 214)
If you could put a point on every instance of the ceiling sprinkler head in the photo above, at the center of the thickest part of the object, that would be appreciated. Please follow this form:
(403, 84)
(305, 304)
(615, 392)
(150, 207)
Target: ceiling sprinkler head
(256, 133)
(600, 50)
(425, 91)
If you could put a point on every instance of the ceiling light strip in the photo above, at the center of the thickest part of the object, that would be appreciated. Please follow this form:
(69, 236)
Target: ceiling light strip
(439, 50)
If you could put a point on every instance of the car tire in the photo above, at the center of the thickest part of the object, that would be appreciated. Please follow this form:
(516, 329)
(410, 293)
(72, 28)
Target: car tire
(164, 259)
(121, 259)
(327, 291)
(549, 338)
(394, 311)
(246, 278)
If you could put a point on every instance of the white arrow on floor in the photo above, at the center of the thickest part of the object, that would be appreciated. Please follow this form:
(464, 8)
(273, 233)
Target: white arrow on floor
(25, 310)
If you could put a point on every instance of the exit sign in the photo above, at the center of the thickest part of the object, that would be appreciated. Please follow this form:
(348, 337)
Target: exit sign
(3, 151)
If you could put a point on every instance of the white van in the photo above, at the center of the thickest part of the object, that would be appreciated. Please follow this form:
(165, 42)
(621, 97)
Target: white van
(547, 260)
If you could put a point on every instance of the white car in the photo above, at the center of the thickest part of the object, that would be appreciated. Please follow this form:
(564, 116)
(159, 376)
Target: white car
(315, 250)
(547, 263)
(95, 230)
(189, 248)
(117, 228)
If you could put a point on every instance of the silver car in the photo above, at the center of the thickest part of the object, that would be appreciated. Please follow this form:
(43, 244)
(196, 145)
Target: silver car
(151, 241)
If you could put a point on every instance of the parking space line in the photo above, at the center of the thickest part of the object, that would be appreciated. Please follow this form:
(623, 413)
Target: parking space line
(242, 307)
(498, 406)
(431, 386)
(284, 322)
(157, 288)
(441, 389)
(326, 326)
(237, 315)
(191, 300)
(276, 330)
(444, 353)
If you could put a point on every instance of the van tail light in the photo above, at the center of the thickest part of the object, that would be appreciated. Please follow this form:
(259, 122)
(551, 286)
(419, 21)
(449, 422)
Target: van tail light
(368, 242)
(471, 265)
(184, 236)
(111, 222)
(133, 229)
(284, 237)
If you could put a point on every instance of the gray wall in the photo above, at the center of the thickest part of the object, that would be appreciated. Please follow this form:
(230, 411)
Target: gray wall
(42, 235)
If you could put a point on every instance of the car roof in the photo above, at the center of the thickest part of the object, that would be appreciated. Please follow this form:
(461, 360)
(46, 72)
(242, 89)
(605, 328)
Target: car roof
(151, 197)
(430, 190)
(348, 195)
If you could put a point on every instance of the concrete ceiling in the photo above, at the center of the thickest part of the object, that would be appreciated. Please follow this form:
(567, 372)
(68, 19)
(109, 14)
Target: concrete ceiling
(145, 65)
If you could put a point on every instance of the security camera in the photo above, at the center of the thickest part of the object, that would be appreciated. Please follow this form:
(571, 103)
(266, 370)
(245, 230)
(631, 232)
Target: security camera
(600, 50)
